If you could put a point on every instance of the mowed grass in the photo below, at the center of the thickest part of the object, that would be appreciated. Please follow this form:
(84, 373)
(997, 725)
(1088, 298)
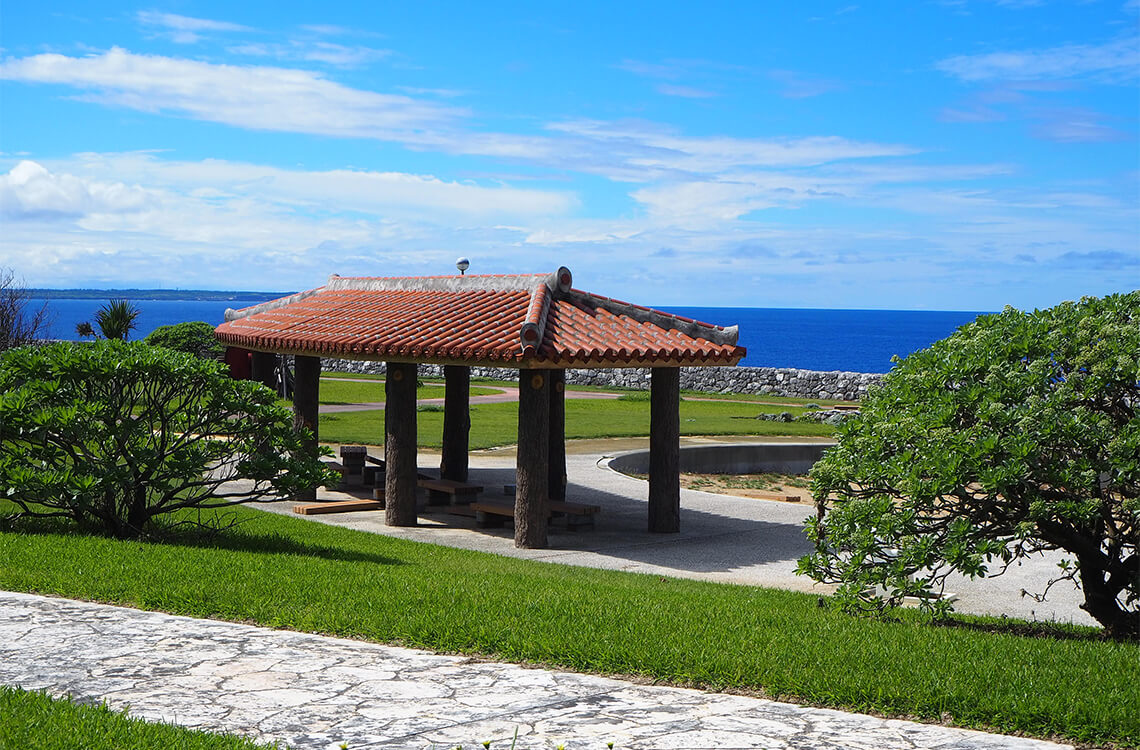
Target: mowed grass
(289, 573)
(36, 721)
(497, 424)
(343, 392)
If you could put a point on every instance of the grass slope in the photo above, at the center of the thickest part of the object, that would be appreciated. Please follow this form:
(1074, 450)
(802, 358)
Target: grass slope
(36, 721)
(290, 573)
(497, 424)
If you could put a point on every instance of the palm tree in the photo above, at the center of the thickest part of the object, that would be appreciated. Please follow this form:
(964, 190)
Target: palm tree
(84, 330)
(116, 319)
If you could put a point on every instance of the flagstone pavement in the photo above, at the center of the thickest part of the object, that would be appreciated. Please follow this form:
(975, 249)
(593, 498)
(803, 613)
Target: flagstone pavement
(315, 692)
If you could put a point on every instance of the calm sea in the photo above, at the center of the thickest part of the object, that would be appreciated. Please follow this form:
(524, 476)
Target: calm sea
(855, 340)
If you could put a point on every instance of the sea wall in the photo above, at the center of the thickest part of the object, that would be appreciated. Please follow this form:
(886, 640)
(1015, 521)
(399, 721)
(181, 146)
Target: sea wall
(775, 381)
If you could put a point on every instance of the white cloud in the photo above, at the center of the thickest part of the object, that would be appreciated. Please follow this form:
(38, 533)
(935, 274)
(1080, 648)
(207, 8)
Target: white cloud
(335, 191)
(685, 92)
(29, 191)
(1114, 62)
(184, 29)
(323, 52)
(302, 101)
(256, 98)
(797, 85)
(654, 149)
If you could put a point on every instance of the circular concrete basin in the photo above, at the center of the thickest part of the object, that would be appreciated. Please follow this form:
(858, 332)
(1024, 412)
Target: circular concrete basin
(732, 458)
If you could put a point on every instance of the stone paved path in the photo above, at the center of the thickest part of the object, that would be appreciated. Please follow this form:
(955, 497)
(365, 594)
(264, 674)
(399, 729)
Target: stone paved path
(314, 692)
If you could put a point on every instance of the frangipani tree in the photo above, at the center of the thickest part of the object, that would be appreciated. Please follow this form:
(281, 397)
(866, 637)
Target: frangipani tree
(1018, 433)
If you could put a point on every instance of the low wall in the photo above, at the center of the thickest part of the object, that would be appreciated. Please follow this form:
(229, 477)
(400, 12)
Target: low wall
(776, 381)
(736, 458)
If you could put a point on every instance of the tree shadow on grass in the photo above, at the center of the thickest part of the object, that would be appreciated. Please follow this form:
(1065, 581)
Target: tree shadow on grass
(220, 533)
(1057, 631)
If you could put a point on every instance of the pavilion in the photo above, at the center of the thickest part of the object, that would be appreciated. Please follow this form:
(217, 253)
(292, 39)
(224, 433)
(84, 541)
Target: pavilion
(536, 323)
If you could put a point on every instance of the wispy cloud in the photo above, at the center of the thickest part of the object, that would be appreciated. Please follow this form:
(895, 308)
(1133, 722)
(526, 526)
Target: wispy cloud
(319, 51)
(256, 98)
(685, 92)
(1076, 125)
(796, 85)
(185, 29)
(1116, 61)
(302, 101)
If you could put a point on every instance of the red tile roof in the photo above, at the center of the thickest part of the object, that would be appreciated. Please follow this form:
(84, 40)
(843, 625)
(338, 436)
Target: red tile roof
(507, 321)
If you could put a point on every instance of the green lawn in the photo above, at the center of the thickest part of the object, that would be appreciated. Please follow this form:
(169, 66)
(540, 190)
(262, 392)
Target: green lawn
(497, 424)
(290, 573)
(36, 721)
(342, 392)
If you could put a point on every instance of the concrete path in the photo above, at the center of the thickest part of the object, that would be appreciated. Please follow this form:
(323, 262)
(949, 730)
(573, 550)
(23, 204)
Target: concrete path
(314, 692)
(723, 538)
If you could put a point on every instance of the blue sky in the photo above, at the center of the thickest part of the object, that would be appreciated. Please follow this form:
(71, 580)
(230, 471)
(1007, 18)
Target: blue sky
(958, 155)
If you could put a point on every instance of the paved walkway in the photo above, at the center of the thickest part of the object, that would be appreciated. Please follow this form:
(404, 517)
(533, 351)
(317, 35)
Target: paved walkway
(723, 538)
(314, 692)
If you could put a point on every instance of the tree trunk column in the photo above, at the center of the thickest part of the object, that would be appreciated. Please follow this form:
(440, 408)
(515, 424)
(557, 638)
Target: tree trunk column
(664, 450)
(400, 445)
(557, 469)
(306, 404)
(456, 422)
(531, 474)
(263, 368)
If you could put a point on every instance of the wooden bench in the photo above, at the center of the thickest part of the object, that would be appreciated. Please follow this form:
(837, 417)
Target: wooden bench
(336, 506)
(443, 491)
(489, 515)
(577, 515)
(494, 515)
(778, 496)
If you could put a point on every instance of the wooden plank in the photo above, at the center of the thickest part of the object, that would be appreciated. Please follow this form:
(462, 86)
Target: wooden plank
(494, 508)
(450, 486)
(337, 506)
(578, 509)
(777, 496)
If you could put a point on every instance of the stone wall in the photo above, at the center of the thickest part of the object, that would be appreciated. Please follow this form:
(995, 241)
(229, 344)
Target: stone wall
(777, 381)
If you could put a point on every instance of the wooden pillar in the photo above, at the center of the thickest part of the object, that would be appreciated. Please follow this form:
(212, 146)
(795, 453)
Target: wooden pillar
(306, 404)
(456, 422)
(263, 368)
(531, 475)
(665, 450)
(400, 445)
(557, 469)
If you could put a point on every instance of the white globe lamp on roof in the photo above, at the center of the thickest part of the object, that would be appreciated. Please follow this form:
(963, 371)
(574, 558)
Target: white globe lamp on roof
(462, 264)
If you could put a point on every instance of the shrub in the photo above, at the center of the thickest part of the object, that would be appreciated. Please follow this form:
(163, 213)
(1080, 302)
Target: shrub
(1019, 433)
(114, 435)
(194, 337)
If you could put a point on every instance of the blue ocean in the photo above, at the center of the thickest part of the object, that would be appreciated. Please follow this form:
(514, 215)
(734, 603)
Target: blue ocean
(854, 340)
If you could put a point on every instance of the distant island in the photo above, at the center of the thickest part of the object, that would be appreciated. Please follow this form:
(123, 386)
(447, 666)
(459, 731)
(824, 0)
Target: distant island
(205, 295)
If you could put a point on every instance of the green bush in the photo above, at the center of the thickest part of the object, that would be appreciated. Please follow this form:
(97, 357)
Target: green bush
(114, 435)
(194, 337)
(1019, 433)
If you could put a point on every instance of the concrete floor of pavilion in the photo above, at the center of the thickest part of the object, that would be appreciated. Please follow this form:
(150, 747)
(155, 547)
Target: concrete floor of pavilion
(723, 538)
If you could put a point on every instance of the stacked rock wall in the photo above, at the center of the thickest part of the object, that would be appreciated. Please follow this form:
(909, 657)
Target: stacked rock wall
(776, 381)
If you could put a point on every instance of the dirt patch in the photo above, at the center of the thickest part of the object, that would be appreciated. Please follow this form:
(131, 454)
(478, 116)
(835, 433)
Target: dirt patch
(770, 486)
